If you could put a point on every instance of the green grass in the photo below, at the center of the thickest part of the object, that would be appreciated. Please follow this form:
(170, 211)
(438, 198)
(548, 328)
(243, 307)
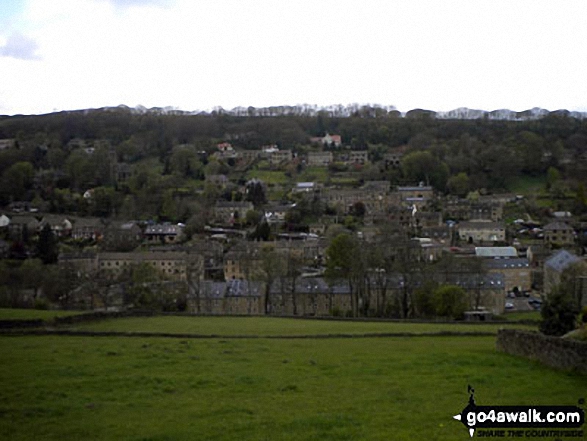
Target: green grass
(517, 316)
(82, 388)
(345, 181)
(268, 177)
(33, 314)
(313, 174)
(264, 326)
(527, 184)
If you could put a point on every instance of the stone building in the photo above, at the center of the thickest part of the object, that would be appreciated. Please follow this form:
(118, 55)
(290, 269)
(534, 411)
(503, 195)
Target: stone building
(163, 234)
(122, 236)
(481, 232)
(319, 159)
(559, 234)
(228, 212)
(554, 267)
(244, 297)
(517, 273)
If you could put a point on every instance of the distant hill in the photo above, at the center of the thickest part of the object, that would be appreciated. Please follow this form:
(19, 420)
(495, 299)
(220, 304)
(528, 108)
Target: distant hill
(342, 111)
(367, 110)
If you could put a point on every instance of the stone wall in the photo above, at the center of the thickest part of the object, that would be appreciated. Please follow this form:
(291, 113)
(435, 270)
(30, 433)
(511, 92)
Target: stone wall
(552, 351)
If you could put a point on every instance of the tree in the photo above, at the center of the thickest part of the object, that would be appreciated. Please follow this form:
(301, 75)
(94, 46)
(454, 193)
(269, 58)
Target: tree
(559, 312)
(425, 300)
(458, 185)
(358, 209)
(405, 262)
(142, 291)
(573, 282)
(293, 270)
(255, 192)
(344, 261)
(552, 177)
(105, 201)
(424, 167)
(580, 203)
(450, 301)
(47, 245)
(271, 268)
(33, 272)
(16, 180)
(253, 217)
(185, 163)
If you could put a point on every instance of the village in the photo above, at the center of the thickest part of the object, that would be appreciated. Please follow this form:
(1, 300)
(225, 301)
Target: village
(269, 250)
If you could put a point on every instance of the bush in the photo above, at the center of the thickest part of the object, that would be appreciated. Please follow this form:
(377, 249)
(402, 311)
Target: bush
(41, 304)
(336, 312)
(559, 313)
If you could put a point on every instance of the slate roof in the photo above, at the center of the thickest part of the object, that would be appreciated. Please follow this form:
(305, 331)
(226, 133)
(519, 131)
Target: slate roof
(482, 225)
(496, 252)
(561, 260)
(557, 226)
(212, 290)
(243, 288)
(507, 263)
(166, 229)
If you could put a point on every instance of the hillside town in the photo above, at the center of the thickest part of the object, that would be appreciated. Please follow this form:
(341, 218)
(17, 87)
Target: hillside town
(317, 231)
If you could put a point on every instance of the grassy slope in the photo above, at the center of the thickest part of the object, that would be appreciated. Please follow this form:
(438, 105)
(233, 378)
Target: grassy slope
(32, 314)
(57, 388)
(527, 184)
(275, 326)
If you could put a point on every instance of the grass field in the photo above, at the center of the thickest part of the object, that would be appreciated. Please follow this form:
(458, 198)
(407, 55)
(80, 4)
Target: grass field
(83, 388)
(318, 174)
(264, 326)
(268, 176)
(33, 314)
(525, 315)
(527, 184)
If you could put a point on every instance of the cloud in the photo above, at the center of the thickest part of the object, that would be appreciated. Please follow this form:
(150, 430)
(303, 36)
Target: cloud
(127, 3)
(20, 47)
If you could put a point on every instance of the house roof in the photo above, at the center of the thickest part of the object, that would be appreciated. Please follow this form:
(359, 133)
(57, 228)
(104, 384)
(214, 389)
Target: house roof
(166, 229)
(310, 285)
(243, 288)
(557, 226)
(92, 222)
(482, 225)
(496, 252)
(234, 204)
(30, 221)
(415, 188)
(561, 260)
(4, 220)
(212, 290)
(474, 281)
(506, 263)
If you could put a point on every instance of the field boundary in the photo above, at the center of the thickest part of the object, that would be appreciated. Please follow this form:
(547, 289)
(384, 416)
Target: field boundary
(78, 333)
(100, 315)
(555, 352)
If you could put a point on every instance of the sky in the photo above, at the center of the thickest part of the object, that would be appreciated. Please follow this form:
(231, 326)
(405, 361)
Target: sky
(199, 54)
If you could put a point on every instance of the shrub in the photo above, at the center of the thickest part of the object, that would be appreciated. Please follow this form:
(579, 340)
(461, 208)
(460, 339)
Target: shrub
(559, 313)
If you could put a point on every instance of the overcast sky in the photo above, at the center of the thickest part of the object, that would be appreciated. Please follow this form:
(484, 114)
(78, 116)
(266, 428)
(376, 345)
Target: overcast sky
(198, 54)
